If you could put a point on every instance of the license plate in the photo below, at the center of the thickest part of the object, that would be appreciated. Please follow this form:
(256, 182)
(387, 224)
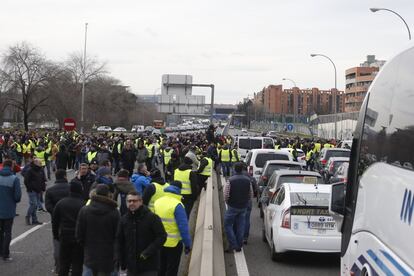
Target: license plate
(322, 225)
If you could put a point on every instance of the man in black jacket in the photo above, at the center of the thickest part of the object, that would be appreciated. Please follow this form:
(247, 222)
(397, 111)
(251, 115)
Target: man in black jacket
(96, 231)
(53, 195)
(140, 237)
(64, 218)
(35, 182)
(86, 178)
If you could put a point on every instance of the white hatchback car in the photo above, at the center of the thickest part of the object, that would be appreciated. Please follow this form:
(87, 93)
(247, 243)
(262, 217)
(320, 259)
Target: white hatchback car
(297, 219)
(256, 159)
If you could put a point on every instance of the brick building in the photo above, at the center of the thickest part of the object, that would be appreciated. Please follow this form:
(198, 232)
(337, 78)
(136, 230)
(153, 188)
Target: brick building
(297, 101)
(358, 80)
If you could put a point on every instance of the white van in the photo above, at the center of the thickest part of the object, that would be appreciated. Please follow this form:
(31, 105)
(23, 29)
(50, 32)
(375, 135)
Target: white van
(246, 143)
(374, 209)
(256, 159)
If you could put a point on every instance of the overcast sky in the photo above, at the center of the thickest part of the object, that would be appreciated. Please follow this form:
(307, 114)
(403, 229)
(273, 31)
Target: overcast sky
(240, 46)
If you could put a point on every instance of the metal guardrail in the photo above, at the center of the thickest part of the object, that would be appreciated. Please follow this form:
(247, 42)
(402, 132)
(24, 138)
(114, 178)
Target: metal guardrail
(207, 257)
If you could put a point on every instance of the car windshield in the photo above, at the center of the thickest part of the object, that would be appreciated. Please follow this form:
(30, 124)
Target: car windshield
(261, 158)
(250, 143)
(274, 167)
(309, 199)
(337, 153)
(306, 179)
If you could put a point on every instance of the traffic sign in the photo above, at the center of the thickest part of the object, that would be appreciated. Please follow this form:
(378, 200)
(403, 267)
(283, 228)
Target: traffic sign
(289, 127)
(69, 124)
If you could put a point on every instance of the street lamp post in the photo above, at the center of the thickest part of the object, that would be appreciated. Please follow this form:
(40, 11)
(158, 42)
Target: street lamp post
(293, 104)
(294, 83)
(336, 89)
(383, 9)
(83, 80)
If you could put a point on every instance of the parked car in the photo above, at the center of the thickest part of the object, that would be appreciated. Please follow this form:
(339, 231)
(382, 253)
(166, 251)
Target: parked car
(331, 167)
(273, 134)
(256, 159)
(247, 143)
(297, 219)
(345, 144)
(284, 176)
(244, 131)
(326, 153)
(104, 128)
(341, 174)
(119, 129)
(301, 157)
(269, 167)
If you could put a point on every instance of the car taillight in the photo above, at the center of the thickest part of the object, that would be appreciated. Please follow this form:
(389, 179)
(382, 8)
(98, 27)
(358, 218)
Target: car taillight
(264, 177)
(331, 167)
(323, 161)
(251, 170)
(286, 219)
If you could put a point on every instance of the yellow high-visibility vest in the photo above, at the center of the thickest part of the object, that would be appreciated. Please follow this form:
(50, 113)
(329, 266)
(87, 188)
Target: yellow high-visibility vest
(149, 149)
(159, 192)
(207, 169)
(184, 178)
(277, 147)
(167, 156)
(309, 155)
(90, 156)
(18, 147)
(164, 207)
(225, 155)
(317, 147)
(41, 156)
(26, 148)
(234, 156)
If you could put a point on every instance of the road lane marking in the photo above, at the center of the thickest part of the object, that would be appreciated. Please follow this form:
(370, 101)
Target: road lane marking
(239, 257)
(27, 233)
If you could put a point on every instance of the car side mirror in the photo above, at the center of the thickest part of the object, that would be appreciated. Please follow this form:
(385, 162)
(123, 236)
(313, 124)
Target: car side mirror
(337, 203)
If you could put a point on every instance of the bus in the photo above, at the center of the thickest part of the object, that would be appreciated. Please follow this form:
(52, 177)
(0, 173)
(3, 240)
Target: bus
(374, 209)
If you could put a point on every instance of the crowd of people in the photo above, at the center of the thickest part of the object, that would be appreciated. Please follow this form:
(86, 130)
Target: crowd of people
(129, 204)
(126, 209)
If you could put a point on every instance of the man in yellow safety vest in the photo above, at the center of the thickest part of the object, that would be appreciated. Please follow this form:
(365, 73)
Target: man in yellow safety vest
(204, 170)
(174, 219)
(188, 179)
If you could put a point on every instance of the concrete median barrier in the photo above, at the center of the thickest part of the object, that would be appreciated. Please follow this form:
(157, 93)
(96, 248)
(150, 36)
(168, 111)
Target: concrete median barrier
(207, 257)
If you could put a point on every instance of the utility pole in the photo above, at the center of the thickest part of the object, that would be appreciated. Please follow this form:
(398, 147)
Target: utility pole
(83, 80)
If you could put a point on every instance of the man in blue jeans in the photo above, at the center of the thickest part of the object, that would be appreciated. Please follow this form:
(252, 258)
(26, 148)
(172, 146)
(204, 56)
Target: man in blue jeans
(237, 194)
(10, 195)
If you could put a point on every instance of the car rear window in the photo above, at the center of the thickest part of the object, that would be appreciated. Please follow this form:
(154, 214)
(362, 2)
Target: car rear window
(306, 179)
(337, 153)
(274, 167)
(247, 143)
(309, 199)
(261, 158)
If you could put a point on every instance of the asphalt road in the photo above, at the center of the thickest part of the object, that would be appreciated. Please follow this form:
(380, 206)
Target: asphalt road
(257, 252)
(33, 254)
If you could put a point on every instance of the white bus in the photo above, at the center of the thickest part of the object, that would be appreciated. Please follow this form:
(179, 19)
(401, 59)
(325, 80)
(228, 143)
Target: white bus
(375, 208)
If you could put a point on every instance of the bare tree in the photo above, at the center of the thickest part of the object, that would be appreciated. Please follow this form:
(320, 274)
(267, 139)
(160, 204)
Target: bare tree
(26, 71)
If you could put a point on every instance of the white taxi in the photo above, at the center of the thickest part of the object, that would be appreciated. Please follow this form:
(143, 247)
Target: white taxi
(297, 219)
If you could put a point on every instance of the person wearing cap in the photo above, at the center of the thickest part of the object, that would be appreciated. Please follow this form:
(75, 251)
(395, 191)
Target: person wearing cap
(174, 218)
(140, 237)
(64, 218)
(96, 231)
(155, 189)
(204, 170)
(188, 178)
